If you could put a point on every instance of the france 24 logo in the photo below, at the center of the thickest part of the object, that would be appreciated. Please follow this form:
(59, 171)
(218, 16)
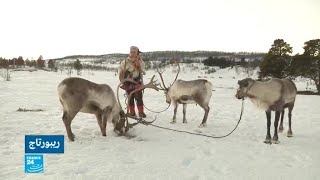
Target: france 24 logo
(33, 163)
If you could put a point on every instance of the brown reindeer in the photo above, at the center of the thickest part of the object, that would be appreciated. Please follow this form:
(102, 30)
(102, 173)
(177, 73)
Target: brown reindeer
(273, 95)
(80, 95)
(188, 92)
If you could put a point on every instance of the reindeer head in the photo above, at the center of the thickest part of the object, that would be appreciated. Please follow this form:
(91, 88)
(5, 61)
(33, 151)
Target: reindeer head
(244, 87)
(119, 126)
(166, 90)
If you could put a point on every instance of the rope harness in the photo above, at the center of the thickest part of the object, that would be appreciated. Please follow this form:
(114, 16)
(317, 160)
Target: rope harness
(157, 112)
(142, 121)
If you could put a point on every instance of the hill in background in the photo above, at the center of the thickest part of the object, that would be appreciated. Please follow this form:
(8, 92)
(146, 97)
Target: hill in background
(183, 56)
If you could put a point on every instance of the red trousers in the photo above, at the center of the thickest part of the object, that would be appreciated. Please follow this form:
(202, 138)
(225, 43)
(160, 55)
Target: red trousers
(137, 96)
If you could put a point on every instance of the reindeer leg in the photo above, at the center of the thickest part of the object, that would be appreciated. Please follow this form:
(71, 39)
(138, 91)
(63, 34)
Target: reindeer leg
(289, 134)
(67, 119)
(174, 113)
(104, 126)
(106, 115)
(268, 137)
(205, 117)
(281, 122)
(184, 113)
(276, 122)
(99, 119)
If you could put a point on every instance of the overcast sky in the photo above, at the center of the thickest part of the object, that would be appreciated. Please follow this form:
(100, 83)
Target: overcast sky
(70, 27)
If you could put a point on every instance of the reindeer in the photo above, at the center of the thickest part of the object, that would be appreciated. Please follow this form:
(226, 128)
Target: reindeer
(273, 95)
(188, 92)
(80, 95)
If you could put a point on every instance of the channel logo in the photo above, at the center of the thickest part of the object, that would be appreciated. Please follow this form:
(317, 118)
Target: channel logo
(33, 163)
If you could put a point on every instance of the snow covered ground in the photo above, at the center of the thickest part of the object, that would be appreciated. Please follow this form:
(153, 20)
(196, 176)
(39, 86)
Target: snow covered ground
(155, 153)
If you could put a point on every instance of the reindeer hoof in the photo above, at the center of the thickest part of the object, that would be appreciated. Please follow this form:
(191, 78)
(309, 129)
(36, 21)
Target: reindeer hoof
(71, 137)
(267, 141)
(280, 129)
(289, 134)
(185, 121)
(275, 140)
(173, 121)
(203, 125)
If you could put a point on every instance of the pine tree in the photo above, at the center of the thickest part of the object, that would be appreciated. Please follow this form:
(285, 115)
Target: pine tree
(20, 61)
(40, 63)
(4, 63)
(27, 62)
(277, 60)
(308, 64)
(40, 57)
(51, 64)
(77, 66)
(33, 63)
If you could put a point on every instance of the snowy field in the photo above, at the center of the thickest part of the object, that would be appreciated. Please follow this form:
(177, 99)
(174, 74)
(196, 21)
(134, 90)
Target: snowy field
(155, 153)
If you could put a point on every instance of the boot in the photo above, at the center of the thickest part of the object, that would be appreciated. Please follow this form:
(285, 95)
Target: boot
(141, 113)
(132, 112)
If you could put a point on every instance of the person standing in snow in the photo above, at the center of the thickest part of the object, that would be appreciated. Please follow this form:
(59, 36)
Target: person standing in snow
(133, 67)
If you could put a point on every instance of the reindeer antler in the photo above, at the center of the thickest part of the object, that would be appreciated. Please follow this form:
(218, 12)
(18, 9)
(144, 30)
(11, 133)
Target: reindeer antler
(160, 74)
(129, 80)
(164, 85)
(177, 62)
(152, 85)
(121, 83)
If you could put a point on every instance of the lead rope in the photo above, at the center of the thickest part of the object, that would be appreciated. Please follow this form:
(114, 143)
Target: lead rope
(157, 112)
(198, 134)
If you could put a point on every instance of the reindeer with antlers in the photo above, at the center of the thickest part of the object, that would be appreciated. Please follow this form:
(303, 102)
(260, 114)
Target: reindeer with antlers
(188, 92)
(80, 95)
